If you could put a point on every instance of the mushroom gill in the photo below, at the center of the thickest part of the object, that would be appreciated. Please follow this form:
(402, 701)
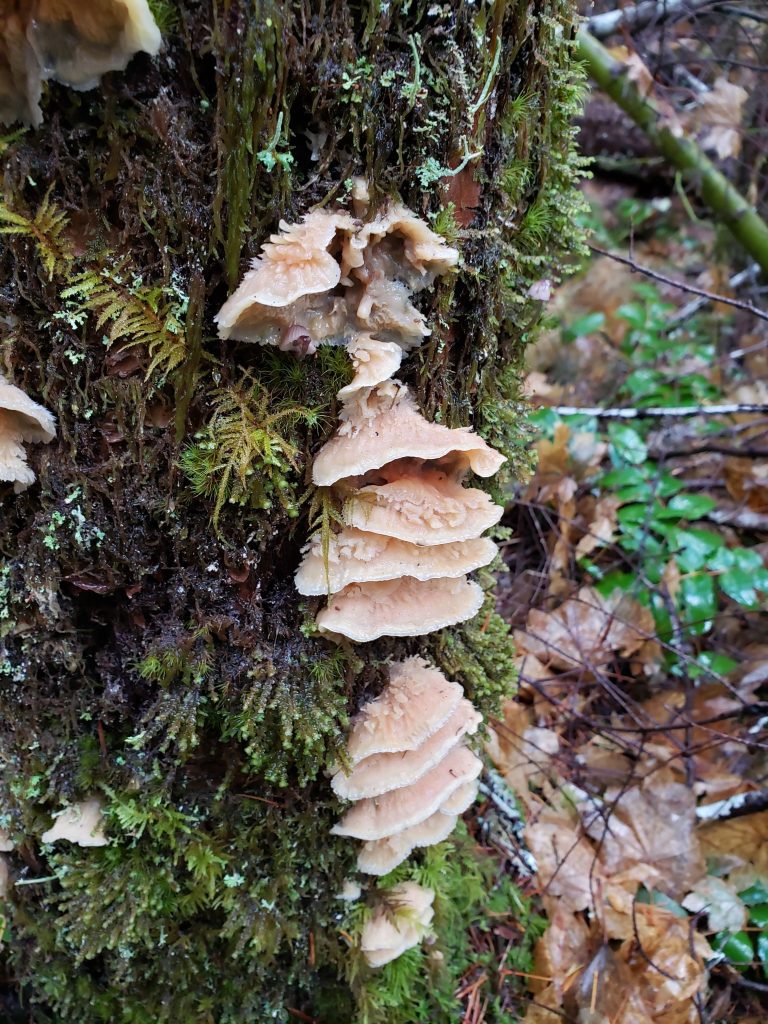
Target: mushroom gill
(21, 420)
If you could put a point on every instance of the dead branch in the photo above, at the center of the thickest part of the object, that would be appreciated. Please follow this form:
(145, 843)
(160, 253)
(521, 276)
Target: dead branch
(703, 293)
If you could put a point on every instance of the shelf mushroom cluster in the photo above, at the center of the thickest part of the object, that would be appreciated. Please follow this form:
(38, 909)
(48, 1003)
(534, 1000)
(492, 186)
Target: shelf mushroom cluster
(410, 774)
(397, 924)
(412, 530)
(69, 41)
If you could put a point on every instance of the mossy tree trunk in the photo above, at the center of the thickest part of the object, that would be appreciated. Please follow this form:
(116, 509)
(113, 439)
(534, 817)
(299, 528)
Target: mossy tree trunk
(166, 663)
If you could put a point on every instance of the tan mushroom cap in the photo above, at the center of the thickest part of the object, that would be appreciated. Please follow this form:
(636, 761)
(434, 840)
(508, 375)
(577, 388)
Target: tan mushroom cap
(358, 557)
(461, 799)
(384, 306)
(406, 607)
(374, 362)
(21, 420)
(416, 702)
(76, 43)
(427, 508)
(6, 843)
(292, 264)
(427, 251)
(400, 923)
(377, 817)
(397, 430)
(80, 823)
(381, 856)
(382, 773)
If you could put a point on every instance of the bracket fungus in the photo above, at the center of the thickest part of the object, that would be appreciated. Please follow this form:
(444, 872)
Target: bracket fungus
(69, 41)
(412, 530)
(79, 823)
(401, 920)
(21, 420)
(407, 762)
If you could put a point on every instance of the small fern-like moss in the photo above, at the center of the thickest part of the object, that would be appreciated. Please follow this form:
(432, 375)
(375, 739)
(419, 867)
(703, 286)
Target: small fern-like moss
(47, 229)
(136, 314)
(245, 454)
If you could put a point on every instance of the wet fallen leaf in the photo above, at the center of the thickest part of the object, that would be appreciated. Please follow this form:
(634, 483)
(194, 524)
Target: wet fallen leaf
(718, 115)
(587, 630)
(720, 901)
(567, 865)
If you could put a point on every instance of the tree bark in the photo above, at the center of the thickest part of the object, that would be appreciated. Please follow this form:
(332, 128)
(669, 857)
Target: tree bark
(163, 662)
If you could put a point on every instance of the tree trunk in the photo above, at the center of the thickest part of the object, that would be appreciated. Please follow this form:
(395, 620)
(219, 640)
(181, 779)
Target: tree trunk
(159, 659)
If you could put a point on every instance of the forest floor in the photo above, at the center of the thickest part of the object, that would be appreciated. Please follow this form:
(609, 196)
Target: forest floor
(630, 791)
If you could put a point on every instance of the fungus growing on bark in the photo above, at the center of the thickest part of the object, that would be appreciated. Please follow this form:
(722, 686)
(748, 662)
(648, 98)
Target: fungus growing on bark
(79, 823)
(416, 702)
(407, 761)
(421, 505)
(354, 556)
(380, 856)
(381, 773)
(396, 430)
(273, 296)
(404, 607)
(374, 362)
(402, 920)
(6, 843)
(461, 799)
(21, 420)
(398, 809)
(69, 41)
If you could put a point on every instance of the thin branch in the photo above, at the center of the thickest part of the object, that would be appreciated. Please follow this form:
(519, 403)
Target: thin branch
(682, 285)
(696, 304)
(652, 411)
(664, 131)
(639, 15)
(734, 806)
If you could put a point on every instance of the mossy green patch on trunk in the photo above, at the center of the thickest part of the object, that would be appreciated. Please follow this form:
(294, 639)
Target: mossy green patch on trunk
(153, 649)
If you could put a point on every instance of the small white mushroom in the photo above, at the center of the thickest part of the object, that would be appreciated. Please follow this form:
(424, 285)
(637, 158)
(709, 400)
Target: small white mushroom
(401, 921)
(79, 823)
(21, 420)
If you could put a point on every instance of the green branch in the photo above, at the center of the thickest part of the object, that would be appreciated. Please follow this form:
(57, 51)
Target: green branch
(728, 206)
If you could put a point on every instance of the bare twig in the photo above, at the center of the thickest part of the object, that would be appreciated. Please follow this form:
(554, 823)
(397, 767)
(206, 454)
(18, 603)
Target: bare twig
(734, 806)
(652, 412)
(696, 304)
(628, 261)
(645, 13)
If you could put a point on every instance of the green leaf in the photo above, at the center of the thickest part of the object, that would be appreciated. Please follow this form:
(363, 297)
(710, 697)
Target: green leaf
(698, 602)
(616, 580)
(627, 476)
(739, 586)
(626, 444)
(634, 313)
(688, 506)
(583, 326)
(711, 661)
(762, 952)
(660, 899)
(694, 547)
(759, 915)
(737, 947)
(756, 893)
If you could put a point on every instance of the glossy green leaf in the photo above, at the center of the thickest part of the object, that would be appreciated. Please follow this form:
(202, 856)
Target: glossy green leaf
(626, 445)
(689, 506)
(698, 602)
(737, 946)
(759, 915)
(757, 893)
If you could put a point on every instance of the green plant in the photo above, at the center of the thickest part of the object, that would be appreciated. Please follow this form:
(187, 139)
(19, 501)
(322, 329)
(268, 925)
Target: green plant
(47, 230)
(248, 449)
(136, 314)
